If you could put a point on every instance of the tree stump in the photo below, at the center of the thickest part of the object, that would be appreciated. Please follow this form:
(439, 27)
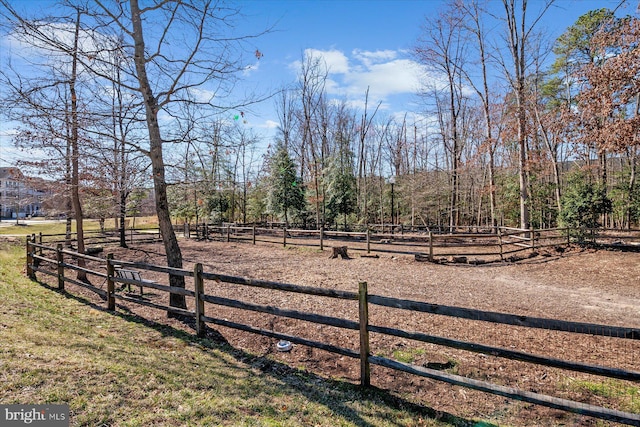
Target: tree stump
(339, 250)
(93, 250)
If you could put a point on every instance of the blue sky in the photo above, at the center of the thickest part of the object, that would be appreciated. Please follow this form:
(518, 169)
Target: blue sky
(365, 43)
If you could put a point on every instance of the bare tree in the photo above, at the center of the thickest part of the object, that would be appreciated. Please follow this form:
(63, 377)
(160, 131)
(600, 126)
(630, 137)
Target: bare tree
(518, 36)
(285, 108)
(474, 24)
(163, 68)
(363, 131)
(60, 38)
(311, 89)
(443, 49)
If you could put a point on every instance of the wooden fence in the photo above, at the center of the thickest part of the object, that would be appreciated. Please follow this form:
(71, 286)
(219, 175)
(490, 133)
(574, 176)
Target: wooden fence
(101, 237)
(56, 262)
(505, 244)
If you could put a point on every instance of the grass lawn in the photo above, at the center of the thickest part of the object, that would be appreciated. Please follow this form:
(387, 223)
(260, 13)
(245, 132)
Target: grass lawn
(118, 370)
(40, 227)
(9, 227)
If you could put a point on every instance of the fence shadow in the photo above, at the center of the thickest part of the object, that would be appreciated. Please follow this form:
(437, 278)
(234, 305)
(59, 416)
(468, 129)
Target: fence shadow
(312, 386)
(329, 392)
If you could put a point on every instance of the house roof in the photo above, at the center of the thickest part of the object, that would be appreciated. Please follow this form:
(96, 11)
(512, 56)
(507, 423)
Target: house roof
(11, 173)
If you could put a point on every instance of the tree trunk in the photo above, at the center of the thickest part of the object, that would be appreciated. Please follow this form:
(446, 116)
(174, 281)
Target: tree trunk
(123, 216)
(75, 154)
(174, 255)
(517, 38)
(632, 184)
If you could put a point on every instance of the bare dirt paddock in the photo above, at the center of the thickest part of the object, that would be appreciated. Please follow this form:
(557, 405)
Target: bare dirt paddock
(582, 285)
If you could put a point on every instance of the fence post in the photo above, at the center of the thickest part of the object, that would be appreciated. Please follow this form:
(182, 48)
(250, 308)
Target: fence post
(568, 236)
(60, 260)
(284, 237)
(368, 239)
(199, 303)
(30, 273)
(365, 368)
(228, 233)
(40, 241)
(253, 238)
(532, 235)
(111, 288)
(322, 237)
(430, 246)
(35, 262)
(500, 241)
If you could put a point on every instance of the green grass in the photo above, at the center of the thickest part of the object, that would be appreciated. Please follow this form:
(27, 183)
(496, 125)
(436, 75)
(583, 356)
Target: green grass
(118, 370)
(627, 394)
(9, 227)
(407, 355)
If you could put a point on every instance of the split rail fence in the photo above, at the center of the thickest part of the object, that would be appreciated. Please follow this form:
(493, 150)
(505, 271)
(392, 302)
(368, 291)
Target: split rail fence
(503, 244)
(58, 263)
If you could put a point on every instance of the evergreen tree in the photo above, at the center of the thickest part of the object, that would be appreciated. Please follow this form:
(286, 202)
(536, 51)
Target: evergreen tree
(582, 204)
(286, 194)
(341, 185)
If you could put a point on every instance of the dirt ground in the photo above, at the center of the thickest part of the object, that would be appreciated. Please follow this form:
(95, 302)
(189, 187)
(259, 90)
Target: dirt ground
(575, 284)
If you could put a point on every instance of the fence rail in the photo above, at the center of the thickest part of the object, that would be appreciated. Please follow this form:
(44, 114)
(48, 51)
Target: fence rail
(503, 244)
(53, 261)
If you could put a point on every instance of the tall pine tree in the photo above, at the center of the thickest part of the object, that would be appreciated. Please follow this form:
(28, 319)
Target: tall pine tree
(286, 193)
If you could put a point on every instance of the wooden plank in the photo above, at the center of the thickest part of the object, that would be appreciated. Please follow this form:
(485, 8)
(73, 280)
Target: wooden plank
(154, 285)
(198, 286)
(155, 268)
(308, 290)
(445, 254)
(111, 302)
(44, 271)
(513, 393)
(44, 259)
(293, 314)
(42, 246)
(515, 251)
(92, 288)
(294, 339)
(77, 255)
(60, 268)
(363, 317)
(507, 319)
(148, 303)
(86, 270)
(510, 354)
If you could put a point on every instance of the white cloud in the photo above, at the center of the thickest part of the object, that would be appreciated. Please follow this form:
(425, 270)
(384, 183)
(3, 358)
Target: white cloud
(386, 78)
(335, 60)
(202, 95)
(368, 57)
(251, 69)
(383, 72)
(270, 124)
